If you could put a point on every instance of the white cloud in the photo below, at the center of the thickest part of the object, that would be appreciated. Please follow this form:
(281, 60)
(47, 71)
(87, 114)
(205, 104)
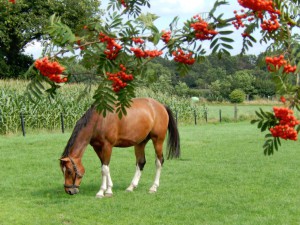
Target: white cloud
(179, 7)
(35, 48)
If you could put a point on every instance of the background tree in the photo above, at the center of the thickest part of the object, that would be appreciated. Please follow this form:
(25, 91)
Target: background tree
(24, 22)
(243, 80)
(237, 96)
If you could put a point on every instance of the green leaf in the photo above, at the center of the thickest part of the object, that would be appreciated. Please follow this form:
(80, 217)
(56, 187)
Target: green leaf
(254, 121)
(258, 114)
(174, 22)
(264, 126)
(225, 39)
(263, 113)
(227, 46)
(226, 32)
(268, 135)
(278, 140)
(275, 144)
(215, 49)
(259, 125)
(213, 43)
(156, 38)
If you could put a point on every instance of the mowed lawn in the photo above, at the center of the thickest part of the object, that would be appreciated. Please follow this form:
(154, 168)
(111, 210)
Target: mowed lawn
(222, 177)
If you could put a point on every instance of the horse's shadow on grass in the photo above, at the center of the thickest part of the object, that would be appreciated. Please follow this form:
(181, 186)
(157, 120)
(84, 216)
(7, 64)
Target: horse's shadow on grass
(86, 189)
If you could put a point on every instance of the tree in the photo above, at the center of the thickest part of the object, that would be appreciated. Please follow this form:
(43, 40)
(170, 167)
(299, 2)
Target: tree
(122, 49)
(220, 89)
(237, 96)
(243, 80)
(25, 22)
(215, 73)
(181, 89)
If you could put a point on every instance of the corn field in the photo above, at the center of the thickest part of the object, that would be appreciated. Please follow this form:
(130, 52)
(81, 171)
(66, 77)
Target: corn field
(71, 101)
(46, 114)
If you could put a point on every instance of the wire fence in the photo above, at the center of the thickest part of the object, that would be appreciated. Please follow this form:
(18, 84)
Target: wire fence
(22, 122)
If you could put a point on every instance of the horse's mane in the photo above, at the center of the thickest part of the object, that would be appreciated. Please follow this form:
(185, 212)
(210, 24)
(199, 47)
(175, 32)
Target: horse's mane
(81, 123)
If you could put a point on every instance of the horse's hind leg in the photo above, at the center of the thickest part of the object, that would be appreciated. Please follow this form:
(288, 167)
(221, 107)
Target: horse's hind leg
(140, 163)
(158, 145)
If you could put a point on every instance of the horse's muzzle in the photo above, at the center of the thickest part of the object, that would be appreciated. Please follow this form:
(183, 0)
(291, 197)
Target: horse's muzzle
(71, 191)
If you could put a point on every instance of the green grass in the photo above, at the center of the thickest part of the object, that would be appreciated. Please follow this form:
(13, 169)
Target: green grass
(222, 178)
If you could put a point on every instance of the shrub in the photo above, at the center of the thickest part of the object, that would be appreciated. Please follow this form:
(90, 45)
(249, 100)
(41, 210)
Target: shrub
(237, 96)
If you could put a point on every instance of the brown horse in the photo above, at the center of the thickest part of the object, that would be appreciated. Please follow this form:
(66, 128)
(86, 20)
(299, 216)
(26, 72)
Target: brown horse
(146, 119)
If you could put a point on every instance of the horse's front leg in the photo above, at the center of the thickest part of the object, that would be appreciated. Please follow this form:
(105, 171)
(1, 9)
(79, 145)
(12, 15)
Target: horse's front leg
(104, 153)
(107, 184)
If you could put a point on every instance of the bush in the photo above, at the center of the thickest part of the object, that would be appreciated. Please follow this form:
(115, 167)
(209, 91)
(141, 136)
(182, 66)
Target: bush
(237, 96)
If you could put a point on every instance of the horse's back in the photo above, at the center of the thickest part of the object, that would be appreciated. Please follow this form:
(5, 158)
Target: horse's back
(144, 117)
(148, 110)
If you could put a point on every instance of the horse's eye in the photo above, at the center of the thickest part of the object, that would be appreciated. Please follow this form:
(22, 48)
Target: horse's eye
(69, 172)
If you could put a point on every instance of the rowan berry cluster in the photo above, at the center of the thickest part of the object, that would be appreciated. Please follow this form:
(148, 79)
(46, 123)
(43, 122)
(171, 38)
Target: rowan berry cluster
(238, 22)
(119, 78)
(112, 47)
(202, 29)
(282, 99)
(12, 1)
(166, 36)
(138, 41)
(258, 7)
(278, 62)
(245, 34)
(285, 129)
(182, 57)
(271, 24)
(139, 53)
(52, 70)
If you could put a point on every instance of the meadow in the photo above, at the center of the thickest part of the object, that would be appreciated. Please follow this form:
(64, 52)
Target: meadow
(222, 177)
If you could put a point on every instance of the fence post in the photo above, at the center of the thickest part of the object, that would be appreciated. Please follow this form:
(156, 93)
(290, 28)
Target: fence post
(220, 115)
(235, 112)
(22, 124)
(195, 117)
(1, 120)
(206, 115)
(62, 123)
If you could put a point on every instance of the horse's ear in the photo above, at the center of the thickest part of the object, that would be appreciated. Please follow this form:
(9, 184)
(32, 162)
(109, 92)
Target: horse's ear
(64, 159)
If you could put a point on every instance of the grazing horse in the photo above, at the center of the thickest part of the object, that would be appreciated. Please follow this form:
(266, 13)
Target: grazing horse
(145, 119)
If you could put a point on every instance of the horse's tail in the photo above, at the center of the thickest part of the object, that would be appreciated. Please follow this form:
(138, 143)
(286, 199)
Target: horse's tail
(173, 146)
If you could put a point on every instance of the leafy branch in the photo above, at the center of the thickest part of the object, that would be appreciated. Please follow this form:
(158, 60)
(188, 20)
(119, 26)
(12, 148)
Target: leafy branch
(265, 121)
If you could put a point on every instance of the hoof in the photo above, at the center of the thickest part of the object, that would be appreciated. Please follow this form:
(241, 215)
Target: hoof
(108, 195)
(153, 189)
(130, 188)
(99, 196)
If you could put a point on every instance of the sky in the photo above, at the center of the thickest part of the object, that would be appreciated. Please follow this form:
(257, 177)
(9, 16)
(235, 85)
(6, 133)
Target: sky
(184, 9)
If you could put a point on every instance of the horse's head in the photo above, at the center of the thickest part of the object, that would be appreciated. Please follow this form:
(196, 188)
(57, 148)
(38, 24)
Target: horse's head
(73, 172)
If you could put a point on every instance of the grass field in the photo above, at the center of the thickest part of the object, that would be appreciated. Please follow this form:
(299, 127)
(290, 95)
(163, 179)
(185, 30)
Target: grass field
(222, 178)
